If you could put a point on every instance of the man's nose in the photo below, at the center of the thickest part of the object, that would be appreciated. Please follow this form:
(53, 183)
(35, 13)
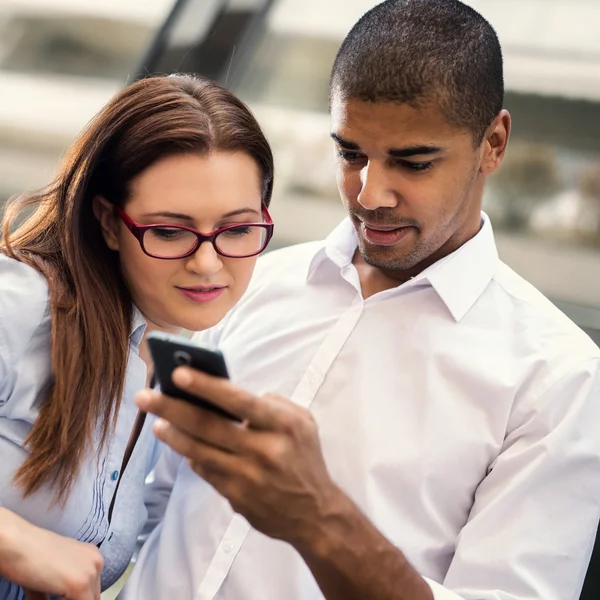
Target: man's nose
(376, 191)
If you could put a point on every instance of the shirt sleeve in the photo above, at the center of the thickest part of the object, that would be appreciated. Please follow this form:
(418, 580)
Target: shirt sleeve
(23, 304)
(159, 485)
(165, 465)
(532, 527)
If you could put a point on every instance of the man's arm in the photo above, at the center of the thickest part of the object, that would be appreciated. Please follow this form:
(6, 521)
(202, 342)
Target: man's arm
(531, 530)
(272, 471)
(351, 560)
(529, 534)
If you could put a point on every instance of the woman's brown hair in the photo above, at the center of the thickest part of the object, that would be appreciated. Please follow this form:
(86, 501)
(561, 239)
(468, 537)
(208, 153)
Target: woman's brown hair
(90, 305)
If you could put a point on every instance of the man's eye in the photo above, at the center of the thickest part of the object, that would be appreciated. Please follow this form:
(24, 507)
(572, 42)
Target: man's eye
(348, 155)
(417, 167)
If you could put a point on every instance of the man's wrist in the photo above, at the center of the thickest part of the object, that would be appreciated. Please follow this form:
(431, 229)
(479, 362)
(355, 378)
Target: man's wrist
(323, 534)
(351, 558)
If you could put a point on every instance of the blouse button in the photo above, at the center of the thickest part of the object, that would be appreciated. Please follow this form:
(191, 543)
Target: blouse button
(115, 475)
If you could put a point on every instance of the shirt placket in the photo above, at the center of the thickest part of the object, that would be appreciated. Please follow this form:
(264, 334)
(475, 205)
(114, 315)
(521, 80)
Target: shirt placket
(303, 395)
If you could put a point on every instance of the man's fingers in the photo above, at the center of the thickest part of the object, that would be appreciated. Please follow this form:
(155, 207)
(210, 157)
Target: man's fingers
(197, 422)
(31, 595)
(264, 412)
(219, 391)
(206, 458)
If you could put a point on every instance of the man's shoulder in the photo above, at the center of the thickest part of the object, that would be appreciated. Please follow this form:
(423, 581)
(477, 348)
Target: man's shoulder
(537, 316)
(278, 274)
(291, 262)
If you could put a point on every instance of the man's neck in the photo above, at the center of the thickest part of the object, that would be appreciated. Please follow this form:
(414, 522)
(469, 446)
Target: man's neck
(374, 280)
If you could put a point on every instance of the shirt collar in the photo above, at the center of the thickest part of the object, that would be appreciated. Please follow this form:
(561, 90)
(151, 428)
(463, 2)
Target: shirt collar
(338, 247)
(459, 278)
(138, 327)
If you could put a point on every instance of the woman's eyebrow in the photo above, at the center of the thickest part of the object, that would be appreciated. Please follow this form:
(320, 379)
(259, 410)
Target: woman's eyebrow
(169, 215)
(183, 217)
(240, 211)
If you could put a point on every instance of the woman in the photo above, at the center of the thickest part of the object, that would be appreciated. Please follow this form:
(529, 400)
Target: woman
(110, 250)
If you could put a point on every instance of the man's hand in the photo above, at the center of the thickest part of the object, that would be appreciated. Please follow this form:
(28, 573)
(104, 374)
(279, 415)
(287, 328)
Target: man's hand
(44, 562)
(270, 467)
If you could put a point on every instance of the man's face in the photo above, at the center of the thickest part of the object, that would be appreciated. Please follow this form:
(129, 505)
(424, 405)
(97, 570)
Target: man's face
(411, 182)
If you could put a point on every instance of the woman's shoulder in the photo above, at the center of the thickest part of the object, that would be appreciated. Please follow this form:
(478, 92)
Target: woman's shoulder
(23, 303)
(21, 284)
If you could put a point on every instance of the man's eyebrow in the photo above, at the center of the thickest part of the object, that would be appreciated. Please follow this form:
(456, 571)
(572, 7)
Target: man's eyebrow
(422, 150)
(344, 143)
(413, 151)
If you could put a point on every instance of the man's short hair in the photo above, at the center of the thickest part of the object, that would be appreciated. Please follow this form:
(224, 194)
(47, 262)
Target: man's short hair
(422, 51)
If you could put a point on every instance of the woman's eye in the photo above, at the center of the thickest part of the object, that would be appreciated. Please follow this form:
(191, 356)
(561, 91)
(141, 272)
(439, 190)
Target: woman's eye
(237, 231)
(166, 233)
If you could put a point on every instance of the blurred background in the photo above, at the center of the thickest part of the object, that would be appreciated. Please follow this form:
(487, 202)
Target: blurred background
(61, 60)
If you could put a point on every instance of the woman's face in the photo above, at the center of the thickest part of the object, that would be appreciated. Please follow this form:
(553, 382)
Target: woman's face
(205, 192)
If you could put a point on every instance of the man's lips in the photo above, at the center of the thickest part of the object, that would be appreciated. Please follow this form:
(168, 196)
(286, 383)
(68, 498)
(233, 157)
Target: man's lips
(385, 235)
(379, 227)
(385, 227)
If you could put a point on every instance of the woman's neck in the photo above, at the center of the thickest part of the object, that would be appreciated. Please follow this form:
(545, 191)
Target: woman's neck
(144, 350)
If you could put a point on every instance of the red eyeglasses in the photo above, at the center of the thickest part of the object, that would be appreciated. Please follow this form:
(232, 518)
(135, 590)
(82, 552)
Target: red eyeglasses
(169, 242)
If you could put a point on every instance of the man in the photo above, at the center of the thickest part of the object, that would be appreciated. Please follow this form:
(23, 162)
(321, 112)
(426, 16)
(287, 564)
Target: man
(442, 435)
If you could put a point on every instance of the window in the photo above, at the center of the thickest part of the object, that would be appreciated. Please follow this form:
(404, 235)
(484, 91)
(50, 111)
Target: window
(59, 63)
(545, 200)
(79, 45)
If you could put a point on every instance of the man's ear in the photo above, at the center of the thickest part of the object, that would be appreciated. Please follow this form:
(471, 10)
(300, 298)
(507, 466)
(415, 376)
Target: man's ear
(105, 213)
(495, 142)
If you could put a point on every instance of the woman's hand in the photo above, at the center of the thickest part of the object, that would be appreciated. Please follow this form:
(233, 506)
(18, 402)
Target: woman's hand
(45, 562)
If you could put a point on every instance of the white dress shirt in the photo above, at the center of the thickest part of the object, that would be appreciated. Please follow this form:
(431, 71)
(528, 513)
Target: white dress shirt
(25, 371)
(460, 411)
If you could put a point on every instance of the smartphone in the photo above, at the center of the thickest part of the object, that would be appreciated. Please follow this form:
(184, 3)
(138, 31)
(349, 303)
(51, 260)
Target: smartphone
(170, 351)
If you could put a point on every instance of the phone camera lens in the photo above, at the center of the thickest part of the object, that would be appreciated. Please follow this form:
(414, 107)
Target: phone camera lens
(182, 358)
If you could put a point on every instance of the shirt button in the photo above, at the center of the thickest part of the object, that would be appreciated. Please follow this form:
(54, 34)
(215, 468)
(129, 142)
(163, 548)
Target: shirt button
(228, 546)
(312, 377)
(114, 475)
(110, 536)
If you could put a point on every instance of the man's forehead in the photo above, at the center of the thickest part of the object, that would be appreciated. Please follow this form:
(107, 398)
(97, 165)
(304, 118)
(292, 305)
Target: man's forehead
(357, 120)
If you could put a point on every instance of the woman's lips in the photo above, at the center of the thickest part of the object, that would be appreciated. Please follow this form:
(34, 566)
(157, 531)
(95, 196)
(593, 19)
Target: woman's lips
(202, 294)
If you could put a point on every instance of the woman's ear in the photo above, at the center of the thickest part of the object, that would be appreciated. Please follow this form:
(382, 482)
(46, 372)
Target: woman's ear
(105, 213)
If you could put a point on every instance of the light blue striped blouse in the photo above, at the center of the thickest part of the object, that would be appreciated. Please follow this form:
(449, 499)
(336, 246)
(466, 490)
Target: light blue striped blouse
(24, 374)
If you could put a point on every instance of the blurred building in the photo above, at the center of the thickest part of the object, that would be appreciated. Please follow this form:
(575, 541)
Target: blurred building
(59, 61)
(545, 201)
